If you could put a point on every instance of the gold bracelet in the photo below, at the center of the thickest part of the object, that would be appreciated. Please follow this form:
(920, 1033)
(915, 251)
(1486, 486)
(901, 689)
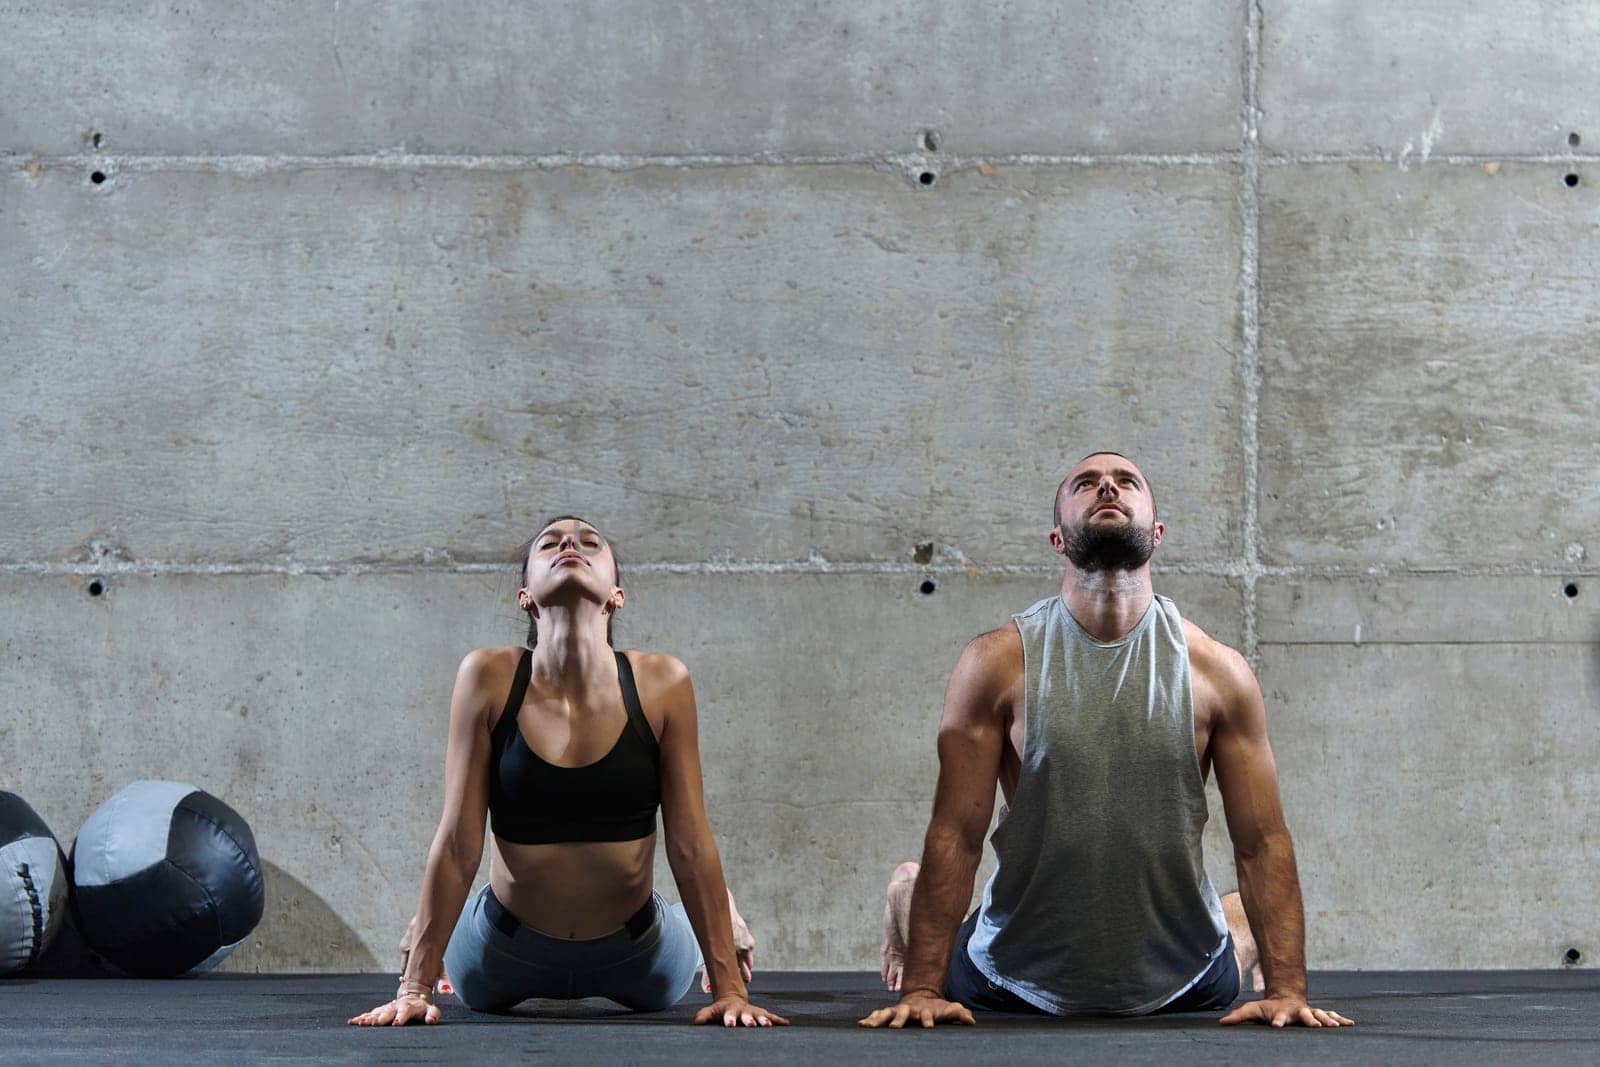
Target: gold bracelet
(415, 990)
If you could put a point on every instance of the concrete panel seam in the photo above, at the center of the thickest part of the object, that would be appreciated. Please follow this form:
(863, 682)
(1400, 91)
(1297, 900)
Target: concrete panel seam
(1224, 568)
(135, 163)
(943, 163)
(333, 568)
(1405, 162)
(1249, 319)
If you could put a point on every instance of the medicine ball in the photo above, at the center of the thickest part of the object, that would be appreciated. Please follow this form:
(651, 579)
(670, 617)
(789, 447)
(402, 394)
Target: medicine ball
(166, 880)
(33, 884)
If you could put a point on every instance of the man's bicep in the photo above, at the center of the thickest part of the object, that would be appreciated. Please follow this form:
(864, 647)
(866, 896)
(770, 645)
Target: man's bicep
(971, 737)
(1247, 773)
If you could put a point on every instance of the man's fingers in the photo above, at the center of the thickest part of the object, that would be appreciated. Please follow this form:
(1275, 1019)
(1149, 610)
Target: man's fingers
(1236, 1016)
(1309, 1018)
(927, 1019)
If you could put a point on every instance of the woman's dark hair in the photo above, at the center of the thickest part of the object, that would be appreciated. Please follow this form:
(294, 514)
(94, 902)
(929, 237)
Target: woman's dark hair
(522, 573)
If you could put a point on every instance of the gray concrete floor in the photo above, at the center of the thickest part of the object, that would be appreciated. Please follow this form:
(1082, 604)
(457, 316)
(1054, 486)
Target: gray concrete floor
(1402, 1017)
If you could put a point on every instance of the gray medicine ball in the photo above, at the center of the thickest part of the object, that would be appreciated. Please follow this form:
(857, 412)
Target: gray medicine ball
(166, 880)
(33, 885)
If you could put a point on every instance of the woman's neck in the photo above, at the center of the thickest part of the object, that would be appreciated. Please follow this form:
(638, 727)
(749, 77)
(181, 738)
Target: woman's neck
(572, 654)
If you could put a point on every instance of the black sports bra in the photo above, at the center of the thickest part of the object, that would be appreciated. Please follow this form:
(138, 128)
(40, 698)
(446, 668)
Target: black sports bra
(532, 802)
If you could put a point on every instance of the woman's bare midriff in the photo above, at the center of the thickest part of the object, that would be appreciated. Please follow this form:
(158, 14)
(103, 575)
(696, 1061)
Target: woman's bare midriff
(577, 890)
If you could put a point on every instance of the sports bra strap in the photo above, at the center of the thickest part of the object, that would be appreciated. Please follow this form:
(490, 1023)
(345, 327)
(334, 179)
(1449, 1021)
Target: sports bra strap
(630, 700)
(519, 690)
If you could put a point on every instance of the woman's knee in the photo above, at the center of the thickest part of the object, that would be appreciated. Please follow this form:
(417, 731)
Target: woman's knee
(478, 994)
(465, 963)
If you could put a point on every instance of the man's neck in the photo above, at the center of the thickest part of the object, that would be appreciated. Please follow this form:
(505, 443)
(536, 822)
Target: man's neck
(1107, 604)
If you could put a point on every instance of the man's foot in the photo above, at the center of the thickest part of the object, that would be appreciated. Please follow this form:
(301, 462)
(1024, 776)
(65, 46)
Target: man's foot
(896, 922)
(744, 947)
(1245, 951)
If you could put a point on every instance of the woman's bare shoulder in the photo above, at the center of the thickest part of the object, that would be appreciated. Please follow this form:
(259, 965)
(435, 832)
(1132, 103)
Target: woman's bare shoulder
(655, 673)
(488, 670)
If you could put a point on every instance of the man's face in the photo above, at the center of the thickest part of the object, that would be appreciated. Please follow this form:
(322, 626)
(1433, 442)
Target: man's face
(1107, 515)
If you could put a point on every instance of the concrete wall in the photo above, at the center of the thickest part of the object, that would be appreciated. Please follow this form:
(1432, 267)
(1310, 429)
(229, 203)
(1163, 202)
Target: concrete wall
(312, 310)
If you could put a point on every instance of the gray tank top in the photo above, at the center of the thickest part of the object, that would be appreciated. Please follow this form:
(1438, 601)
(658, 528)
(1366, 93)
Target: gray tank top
(1101, 902)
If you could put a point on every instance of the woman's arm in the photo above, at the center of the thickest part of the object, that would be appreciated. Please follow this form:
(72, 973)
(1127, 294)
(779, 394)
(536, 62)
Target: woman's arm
(691, 851)
(457, 845)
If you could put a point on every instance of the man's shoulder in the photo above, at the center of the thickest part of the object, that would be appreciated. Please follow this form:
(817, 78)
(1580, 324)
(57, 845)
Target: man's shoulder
(1221, 666)
(1003, 642)
(993, 659)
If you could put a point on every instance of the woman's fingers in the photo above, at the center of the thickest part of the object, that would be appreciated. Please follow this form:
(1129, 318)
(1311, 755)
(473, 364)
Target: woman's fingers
(379, 1016)
(398, 1013)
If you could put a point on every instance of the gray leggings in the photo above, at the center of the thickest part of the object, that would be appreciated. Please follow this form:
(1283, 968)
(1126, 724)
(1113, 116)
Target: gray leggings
(495, 962)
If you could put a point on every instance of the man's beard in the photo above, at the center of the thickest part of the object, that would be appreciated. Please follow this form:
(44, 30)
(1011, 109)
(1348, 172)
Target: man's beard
(1101, 547)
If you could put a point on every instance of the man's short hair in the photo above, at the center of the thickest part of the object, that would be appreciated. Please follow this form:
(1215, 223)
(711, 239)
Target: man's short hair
(1055, 505)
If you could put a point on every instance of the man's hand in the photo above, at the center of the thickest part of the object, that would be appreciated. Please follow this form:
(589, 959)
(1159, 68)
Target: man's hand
(1284, 1011)
(925, 1008)
(737, 1011)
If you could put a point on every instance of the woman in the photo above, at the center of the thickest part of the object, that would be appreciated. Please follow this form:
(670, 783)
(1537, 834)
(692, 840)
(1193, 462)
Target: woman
(569, 747)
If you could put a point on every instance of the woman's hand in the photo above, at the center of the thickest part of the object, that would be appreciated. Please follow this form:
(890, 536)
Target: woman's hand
(403, 1009)
(737, 1011)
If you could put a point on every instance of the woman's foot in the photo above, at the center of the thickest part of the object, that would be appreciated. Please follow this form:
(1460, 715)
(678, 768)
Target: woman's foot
(896, 923)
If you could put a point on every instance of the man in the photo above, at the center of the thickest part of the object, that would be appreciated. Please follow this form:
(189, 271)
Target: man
(1100, 712)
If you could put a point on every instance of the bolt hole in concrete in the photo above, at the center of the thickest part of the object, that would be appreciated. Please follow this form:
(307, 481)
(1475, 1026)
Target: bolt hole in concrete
(1572, 181)
(96, 587)
(927, 177)
(1573, 955)
(923, 553)
(98, 177)
(927, 587)
(1573, 139)
(930, 140)
(1570, 590)
(96, 139)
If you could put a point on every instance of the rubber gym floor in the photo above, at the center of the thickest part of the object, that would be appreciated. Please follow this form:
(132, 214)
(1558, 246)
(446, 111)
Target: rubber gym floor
(1450, 1018)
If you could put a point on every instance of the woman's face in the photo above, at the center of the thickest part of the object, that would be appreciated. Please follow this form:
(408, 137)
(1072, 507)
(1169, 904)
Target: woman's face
(565, 552)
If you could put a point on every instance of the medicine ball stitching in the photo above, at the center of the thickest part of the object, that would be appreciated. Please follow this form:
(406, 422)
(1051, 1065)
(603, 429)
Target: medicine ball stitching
(211, 901)
(223, 830)
(203, 817)
(38, 912)
(215, 911)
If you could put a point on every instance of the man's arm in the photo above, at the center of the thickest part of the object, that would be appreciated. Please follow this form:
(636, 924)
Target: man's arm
(1269, 883)
(971, 738)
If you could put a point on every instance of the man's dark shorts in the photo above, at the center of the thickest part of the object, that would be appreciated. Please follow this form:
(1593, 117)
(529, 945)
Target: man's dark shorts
(1215, 990)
